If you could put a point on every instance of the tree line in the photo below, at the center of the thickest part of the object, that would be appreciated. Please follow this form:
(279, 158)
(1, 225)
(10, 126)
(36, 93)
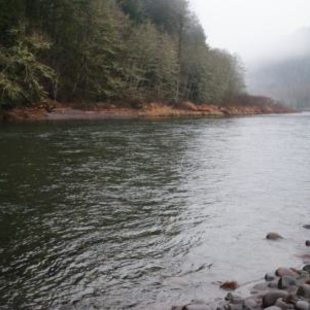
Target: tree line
(110, 51)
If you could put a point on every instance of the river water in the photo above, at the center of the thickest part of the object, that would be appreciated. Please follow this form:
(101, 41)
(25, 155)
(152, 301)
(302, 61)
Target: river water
(146, 214)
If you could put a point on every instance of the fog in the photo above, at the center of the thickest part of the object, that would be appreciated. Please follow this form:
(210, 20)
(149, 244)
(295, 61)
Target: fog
(253, 29)
(272, 37)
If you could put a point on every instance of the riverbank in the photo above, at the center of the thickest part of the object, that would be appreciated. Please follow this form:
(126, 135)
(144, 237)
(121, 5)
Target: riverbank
(286, 288)
(283, 289)
(60, 111)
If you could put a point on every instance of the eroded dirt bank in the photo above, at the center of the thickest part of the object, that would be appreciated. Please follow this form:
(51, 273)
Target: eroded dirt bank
(60, 111)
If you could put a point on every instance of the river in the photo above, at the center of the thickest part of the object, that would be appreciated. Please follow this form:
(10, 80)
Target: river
(146, 214)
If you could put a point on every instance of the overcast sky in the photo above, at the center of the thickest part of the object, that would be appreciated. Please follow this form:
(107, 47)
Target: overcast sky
(250, 28)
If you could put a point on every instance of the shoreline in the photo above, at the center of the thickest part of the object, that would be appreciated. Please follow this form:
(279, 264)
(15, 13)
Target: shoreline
(286, 288)
(58, 111)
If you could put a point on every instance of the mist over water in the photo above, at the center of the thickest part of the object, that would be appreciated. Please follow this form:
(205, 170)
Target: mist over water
(283, 72)
(271, 37)
(144, 214)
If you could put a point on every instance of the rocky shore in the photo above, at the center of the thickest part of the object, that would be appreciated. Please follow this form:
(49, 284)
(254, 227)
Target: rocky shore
(286, 288)
(283, 289)
(60, 111)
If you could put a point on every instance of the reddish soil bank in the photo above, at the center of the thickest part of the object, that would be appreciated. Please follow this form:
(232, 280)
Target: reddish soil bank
(58, 111)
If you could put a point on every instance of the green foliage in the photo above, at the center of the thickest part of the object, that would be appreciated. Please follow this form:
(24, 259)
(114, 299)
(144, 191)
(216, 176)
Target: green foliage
(21, 74)
(111, 50)
(224, 77)
(151, 67)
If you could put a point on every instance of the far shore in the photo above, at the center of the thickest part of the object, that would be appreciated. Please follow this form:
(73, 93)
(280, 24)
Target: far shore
(55, 111)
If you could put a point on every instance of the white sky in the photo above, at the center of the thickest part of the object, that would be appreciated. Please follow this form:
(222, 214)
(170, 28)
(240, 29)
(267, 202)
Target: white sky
(250, 28)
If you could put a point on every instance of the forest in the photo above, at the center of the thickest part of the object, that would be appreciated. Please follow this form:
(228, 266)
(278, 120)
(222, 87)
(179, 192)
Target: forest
(120, 51)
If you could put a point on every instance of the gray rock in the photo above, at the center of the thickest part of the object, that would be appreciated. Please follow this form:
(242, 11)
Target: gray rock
(307, 226)
(273, 236)
(307, 243)
(303, 291)
(302, 305)
(286, 281)
(286, 272)
(306, 268)
(270, 298)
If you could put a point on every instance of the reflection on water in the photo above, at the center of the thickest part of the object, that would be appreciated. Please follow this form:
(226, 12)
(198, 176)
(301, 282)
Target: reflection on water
(145, 214)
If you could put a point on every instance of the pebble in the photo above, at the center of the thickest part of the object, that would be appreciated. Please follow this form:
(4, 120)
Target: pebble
(286, 281)
(303, 291)
(291, 292)
(286, 272)
(270, 298)
(273, 236)
(302, 305)
(234, 299)
(283, 305)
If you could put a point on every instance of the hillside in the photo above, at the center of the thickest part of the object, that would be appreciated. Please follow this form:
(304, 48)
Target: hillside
(118, 51)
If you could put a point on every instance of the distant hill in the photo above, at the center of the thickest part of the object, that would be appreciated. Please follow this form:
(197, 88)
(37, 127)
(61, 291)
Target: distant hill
(285, 75)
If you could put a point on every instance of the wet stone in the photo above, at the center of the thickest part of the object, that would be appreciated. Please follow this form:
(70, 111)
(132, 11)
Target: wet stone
(234, 299)
(302, 305)
(250, 304)
(283, 305)
(270, 298)
(303, 291)
(286, 272)
(286, 281)
(273, 236)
